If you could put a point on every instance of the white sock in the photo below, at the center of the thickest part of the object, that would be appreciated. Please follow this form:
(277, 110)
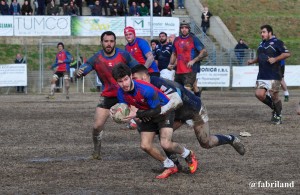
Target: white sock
(52, 89)
(286, 93)
(168, 163)
(185, 153)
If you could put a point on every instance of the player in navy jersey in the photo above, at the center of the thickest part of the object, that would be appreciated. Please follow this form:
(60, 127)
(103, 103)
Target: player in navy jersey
(271, 51)
(145, 104)
(62, 69)
(140, 49)
(192, 108)
(188, 50)
(103, 62)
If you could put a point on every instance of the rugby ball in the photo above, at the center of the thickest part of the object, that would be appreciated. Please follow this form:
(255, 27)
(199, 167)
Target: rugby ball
(120, 111)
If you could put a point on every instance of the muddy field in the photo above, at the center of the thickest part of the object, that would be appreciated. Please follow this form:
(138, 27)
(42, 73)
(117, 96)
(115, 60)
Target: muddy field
(45, 147)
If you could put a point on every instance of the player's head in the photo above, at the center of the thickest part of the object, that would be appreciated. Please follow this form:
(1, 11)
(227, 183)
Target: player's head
(163, 37)
(154, 42)
(122, 74)
(108, 42)
(60, 46)
(129, 33)
(266, 32)
(140, 72)
(185, 28)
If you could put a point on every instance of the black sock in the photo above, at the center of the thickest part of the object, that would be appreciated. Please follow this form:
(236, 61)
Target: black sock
(269, 102)
(278, 107)
(225, 139)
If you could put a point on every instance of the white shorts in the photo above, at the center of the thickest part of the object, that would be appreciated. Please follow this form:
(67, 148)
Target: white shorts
(269, 85)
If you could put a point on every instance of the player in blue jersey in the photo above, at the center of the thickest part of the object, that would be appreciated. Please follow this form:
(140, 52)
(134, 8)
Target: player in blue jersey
(145, 104)
(192, 108)
(140, 49)
(271, 51)
(103, 62)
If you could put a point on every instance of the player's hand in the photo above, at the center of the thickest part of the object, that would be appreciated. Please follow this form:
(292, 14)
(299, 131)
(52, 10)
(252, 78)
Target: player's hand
(190, 63)
(249, 62)
(79, 72)
(271, 60)
(170, 67)
(131, 115)
(112, 111)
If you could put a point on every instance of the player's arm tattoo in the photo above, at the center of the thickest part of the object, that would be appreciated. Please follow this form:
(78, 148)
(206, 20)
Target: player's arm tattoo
(203, 53)
(150, 59)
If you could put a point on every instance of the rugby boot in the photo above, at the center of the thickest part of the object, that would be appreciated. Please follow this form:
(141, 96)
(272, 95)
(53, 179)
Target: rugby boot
(192, 162)
(277, 120)
(237, 145)
(167, 172)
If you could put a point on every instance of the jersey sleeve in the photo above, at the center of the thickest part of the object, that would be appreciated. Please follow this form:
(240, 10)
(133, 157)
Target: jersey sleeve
(68, 58)
(88, 66)
(144, 46)
(281, 47)
(198, 44)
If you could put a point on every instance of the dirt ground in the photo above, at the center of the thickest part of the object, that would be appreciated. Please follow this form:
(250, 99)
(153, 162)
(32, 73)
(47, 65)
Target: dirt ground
(45, 147)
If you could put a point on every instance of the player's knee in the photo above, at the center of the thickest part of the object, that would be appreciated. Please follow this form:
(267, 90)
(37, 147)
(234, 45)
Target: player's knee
(165, 144)
(145, 147)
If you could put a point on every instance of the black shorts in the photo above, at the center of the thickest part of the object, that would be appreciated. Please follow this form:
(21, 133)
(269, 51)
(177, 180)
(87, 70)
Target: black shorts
(155, 74)
(154, 125)
(186, 79)
(59, 74)
(184, 113)
(108, 102)
(282, 70)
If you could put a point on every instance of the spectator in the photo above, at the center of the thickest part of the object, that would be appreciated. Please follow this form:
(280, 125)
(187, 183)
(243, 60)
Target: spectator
(52, 9)
(41, 7)
(20, 60)
(156, 9)
(15, 8)
(240, 51)
(172, 38)
(123, 4)
(90, 3)
(72, 9)
(133, 10)
(96, 10)
(105, 4)
(116, 9)
(26, 8)
(180, 4)
(167, 11)
(205, 19)
(65, 4)
(144, 11)
(4, 8)
(171, 4)
(79, 5)
(73, 66)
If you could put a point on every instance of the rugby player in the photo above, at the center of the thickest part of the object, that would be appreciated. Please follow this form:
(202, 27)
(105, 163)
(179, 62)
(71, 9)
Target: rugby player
(271, 51)
(145, 104)
(103, 62)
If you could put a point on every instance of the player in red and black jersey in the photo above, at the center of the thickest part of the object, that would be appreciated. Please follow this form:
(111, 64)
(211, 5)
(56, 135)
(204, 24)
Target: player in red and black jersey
(103, 62)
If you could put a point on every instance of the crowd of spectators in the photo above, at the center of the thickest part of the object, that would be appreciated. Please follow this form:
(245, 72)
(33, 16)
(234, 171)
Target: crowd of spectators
(97, 7)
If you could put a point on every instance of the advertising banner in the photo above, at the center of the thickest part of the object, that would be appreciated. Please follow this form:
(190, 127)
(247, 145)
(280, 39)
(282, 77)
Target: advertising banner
(42, 25)
(13, 75)
(6, 26)
(214, 76)
(246, 76)
(95, 26)
(169, 25)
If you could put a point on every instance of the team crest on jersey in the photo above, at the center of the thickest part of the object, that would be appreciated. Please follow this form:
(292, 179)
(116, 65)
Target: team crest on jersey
(110, 64)
(271, 43)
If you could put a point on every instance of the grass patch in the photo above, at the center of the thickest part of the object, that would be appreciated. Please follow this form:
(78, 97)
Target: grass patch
(244, 18)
